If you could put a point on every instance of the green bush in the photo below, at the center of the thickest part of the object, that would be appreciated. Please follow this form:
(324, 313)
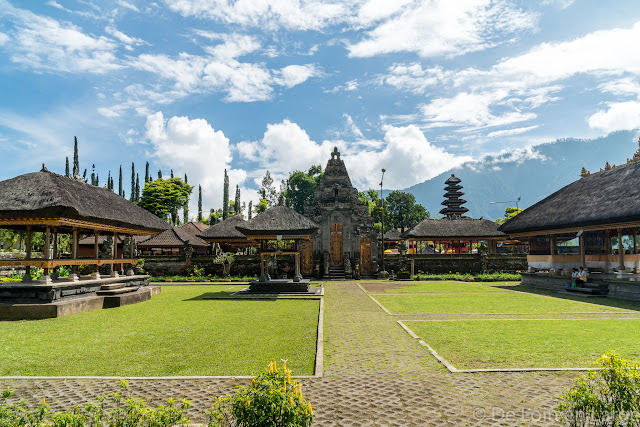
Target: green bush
(271, 400)
(126, 412)
(607, 397)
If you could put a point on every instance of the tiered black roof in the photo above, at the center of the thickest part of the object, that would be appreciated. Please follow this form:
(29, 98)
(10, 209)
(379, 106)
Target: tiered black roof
(453, 202)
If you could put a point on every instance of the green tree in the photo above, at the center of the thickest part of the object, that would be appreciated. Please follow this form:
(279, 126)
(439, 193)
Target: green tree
(93, 174)
(132, 195)
(261, 206)
(76, 161)
(120, 191)
(199, 203)
(163, 197)
(66, 167)
(237, 206)
(509, 213)
(404, 212)
(137, 198)
(159, 173)
(249, 211)
(146, 173)
(301, 186)
(268, 191)
(225, 196)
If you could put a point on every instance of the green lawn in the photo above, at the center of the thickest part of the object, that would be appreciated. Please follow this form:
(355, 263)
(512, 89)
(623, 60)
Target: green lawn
(489, 302)
(175, 333)
(529, 343)
(447, 286)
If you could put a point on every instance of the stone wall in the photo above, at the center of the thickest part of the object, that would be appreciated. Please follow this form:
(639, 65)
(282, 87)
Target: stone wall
(460, 263)
(244, 265)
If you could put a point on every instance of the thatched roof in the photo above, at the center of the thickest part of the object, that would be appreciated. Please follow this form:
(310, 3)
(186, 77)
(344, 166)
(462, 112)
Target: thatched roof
(49, 195)
(174, 237)
(278, 220)
(392, 235)
(607, 197)
(225, 230)
(194, 228)
(89, 240)
(455, 229)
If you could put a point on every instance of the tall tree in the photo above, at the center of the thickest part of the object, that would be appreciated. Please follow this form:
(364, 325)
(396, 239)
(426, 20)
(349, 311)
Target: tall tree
(132, 196)
(199, 203)
(403, 209)
(300, 187)
(93, 174)
(97, 180)
(159, 173)
(146, 173)
(509, 212)
(268, 191)
(163, 198)
(120, 191)
(249, 211)
(225, 196)
(137, 198)
(66, 167)
(172, 173)
(84, 175)
(237, 206)
(76, 161)
(185, 208)
(109, 182)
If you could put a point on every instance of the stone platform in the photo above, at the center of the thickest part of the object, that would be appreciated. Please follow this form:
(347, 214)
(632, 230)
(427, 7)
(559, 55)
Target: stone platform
(275, 286)
(63, 297)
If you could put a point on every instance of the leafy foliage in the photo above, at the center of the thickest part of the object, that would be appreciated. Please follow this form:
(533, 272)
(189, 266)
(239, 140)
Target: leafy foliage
(163, 197)
(509, 213)
(404, 212)
(608, 397)
(300, 187)
(273, 399)
(268, 191)
(226, 259)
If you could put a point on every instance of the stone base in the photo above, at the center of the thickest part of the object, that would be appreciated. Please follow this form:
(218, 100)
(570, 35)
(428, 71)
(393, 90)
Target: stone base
(383, 275)
(142, 294)
(279, 286)
(49, 310)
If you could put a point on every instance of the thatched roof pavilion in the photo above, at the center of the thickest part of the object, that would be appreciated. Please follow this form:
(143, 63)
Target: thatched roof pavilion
(51, 203)
(456, 231)
(174, 237)
(392, 235)
(595, 208)
(194, 228)
(225, 232)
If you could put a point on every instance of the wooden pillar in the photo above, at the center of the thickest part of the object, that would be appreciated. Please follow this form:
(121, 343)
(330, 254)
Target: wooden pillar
(47, 252)
(74, 254)
(114, 254)
(635, 246)
(297, 276)
(96, 255)
(261, 265)
(583, 262)
(620, 251)
(553, 244)
(27, 268)
(55, 252)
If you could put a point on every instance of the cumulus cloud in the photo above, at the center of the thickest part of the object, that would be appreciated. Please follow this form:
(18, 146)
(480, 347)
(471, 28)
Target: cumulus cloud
(405, 152)
(293, 75)
(619, 116)
(193, 147)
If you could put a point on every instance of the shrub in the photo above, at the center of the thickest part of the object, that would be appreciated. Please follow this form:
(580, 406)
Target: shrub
(607, 397)
(271, 400)
(138, 267)
(126, 411)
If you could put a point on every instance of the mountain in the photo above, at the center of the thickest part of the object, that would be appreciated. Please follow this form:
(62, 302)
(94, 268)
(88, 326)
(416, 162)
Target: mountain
(532, 173)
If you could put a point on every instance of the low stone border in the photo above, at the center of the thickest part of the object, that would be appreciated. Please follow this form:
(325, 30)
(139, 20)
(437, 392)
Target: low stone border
(453, 369)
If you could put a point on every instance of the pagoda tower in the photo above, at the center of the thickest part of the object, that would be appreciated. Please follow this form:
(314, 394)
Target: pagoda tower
(453, 203)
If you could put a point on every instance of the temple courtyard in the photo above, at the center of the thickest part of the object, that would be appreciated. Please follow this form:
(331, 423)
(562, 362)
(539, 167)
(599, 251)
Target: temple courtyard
(388, 353)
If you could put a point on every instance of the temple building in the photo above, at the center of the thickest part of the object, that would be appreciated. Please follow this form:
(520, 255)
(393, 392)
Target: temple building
(347, 239)
(456, 233)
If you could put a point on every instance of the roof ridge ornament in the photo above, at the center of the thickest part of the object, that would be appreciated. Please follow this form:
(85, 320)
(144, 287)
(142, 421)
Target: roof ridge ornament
(44, 168)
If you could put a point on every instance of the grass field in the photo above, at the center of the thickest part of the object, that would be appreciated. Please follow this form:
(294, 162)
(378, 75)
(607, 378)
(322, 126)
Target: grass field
(529, 343)
(444, 286)
(175, 333)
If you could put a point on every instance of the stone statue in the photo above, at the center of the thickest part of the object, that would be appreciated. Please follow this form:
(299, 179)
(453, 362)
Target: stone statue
(188, 251)
(326, 264)
(347, 266)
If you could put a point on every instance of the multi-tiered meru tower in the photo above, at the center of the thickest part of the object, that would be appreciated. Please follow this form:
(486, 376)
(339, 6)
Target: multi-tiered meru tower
(453, 203)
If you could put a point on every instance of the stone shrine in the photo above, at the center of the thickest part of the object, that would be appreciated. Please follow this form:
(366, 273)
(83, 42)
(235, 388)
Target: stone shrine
(347, 240)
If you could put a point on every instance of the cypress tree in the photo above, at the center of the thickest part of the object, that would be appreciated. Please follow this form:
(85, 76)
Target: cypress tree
(199, 203)
(120, 191)
(76, 162)
(66, 168)
(97, 180)
(137, 198)
(109, 183)
(146, 173)
(249, 213)
(225, 197)
(132, 197)
(93, 174)
(185, 208)
(237, 206)
(159, 173)
(84, 175)
(171, 173)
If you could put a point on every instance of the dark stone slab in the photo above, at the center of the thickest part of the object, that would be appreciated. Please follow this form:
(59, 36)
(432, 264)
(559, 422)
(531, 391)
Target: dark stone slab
(279, 286)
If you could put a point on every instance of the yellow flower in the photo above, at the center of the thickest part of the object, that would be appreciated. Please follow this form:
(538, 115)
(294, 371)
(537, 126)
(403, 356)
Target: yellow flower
(284, 365)
(253, 383)
(248, 401)
(43, 400)
(291, 400)
(284, 386)
(310, 409)
(289, 376)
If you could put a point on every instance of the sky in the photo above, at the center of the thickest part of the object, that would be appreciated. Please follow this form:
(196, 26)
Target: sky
(415, 87)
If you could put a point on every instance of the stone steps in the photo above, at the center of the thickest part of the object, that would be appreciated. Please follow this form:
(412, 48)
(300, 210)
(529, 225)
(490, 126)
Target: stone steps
(117, 291)
(336, 273)
(590, 288)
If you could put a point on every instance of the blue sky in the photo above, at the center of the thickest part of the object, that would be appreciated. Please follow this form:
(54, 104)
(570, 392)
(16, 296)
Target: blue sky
(416, 87)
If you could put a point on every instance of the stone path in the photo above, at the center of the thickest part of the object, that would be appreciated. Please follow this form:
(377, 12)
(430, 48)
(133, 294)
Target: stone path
(375, 374)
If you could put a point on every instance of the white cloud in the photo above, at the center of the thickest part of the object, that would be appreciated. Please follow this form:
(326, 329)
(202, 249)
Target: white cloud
(619, 116)
(518, 155)
(353, 128)
(3, 39)
(444, 28)
(563, 4)
(192, 146)
(622, 87)
(293, 75)
(128, 41)
(45, 44)
(186, 71)
(406, 154)
(510, 132)
(128, 5)
(413, 78)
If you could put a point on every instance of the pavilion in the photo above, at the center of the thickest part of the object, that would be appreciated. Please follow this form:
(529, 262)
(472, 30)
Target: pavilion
(174, 241)
(595, 210)
(226, 235)
(455, 231)
(280, 231)
(54, 204)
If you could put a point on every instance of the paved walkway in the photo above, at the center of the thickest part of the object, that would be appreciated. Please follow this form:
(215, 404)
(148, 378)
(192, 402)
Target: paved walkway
(374, 374)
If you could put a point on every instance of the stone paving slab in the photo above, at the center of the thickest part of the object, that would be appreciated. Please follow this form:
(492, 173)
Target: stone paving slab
(375, 374)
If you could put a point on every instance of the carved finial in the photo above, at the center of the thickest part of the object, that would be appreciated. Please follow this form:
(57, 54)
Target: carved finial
(335, 154)
(44, 168)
